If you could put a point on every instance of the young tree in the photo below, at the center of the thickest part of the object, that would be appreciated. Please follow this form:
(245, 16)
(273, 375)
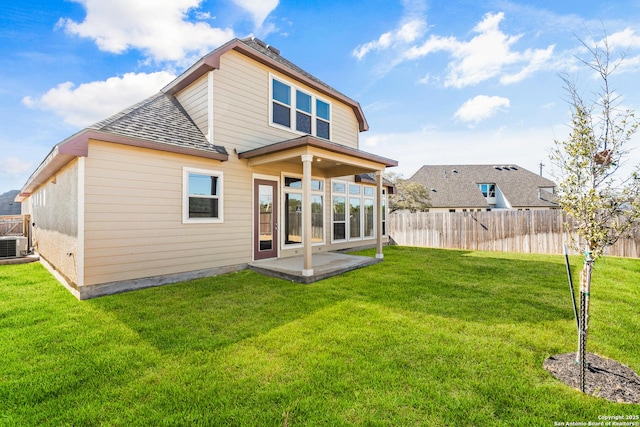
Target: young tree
(409, 196)
(604, 205)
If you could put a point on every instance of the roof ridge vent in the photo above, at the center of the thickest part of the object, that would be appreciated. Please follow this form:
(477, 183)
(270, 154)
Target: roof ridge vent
(260, 42)
(273, 49)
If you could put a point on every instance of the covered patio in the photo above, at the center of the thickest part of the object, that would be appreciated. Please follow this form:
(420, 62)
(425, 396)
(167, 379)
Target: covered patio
(329, 160)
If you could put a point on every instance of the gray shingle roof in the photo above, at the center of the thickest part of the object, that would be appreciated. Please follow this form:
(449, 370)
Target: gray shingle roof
(160, 119)
(457, 185)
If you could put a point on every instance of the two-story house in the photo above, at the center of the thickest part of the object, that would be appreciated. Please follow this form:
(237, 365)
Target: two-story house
(463, 188)
(243, 157)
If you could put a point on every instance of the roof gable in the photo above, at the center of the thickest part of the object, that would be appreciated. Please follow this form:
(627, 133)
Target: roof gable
(269, 56)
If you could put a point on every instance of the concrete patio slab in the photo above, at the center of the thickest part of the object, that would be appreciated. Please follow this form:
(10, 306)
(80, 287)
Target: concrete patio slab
(325, 265)
(19, 260)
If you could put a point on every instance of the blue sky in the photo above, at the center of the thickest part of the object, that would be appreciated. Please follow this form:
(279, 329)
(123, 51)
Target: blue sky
(440, 82)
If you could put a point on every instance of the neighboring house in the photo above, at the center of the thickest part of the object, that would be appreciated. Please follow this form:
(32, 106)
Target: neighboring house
(461, 188)
(208, 175)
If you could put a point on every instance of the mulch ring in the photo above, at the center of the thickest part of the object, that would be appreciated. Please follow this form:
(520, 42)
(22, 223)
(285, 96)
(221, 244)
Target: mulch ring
(604, 378)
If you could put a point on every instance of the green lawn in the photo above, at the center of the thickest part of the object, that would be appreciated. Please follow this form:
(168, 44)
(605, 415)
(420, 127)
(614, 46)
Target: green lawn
(427, 337)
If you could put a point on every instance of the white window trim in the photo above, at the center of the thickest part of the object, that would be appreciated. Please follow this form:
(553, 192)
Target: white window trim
(348, 196)
(185, 196)
(293, 108)
(284, 189)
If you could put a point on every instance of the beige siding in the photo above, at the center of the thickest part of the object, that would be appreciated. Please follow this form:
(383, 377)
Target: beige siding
(54, 210)
(133, 216)
(241, 108)
(345, 125)
(194, 100)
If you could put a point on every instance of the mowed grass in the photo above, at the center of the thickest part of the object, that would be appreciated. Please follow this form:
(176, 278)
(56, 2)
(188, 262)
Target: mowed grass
(427, 337)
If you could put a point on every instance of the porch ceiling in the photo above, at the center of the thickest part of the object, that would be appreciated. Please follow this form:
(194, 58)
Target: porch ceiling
(333, 159)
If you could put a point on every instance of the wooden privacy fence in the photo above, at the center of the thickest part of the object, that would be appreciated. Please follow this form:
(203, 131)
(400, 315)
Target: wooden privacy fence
(533, 231)
(14, 225)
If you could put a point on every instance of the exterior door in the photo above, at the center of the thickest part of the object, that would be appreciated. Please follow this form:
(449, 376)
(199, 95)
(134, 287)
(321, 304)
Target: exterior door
(265, 223)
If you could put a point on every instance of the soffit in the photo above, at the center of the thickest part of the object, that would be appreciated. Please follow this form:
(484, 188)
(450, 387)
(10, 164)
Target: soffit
(332, 159)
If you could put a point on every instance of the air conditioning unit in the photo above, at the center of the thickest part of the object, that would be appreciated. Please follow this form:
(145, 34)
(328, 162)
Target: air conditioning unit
(13, 246)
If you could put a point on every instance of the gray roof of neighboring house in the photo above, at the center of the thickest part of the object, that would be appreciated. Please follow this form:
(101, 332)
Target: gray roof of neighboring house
(455, 186)
(161, 119)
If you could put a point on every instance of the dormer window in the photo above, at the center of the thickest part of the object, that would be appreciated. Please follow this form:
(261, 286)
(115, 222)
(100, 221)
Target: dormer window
(297, 110)
(488, 190)
(489, 193)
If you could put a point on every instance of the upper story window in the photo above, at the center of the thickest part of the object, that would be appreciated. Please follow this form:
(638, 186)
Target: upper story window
(489, 193)
(488, 190)
(281, 101)
(298, 110)
(322, 119)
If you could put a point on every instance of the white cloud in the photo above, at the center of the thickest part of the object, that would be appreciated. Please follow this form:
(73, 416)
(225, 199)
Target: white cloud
(480, 108)
(410, 28)
(259, 9)
(158, 28)
(536, 60)
(90, 102)
(14, 166)
(625, 39)
(486, 55)
(407, 32)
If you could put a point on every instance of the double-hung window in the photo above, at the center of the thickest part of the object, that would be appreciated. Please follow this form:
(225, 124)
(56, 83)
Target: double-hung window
(202, 196)
(322, 119)
(300, 111)
(303, 112)
(281, 103)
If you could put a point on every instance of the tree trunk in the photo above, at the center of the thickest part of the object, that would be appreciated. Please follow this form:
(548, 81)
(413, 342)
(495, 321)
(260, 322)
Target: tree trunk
(585, 289)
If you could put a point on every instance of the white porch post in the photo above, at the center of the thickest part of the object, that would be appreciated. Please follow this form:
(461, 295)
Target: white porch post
(307, 160)
(379, 253)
